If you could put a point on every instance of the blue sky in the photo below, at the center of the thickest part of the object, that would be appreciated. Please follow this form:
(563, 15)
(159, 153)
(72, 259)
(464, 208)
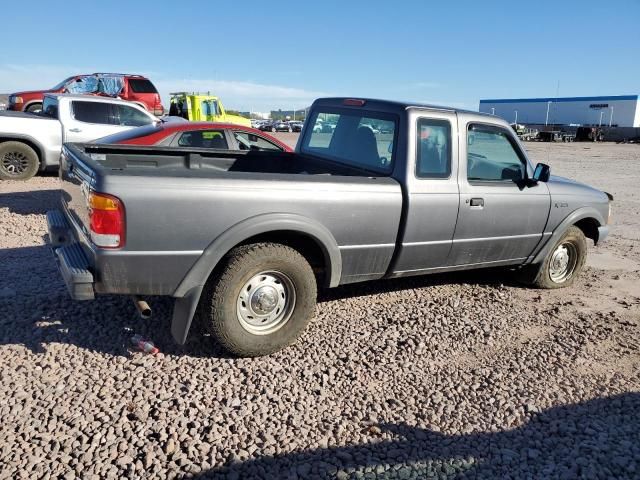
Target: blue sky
(260, 55)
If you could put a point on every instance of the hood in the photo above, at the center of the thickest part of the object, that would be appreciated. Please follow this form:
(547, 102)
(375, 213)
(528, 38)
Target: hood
(30, 92)
(566, 186)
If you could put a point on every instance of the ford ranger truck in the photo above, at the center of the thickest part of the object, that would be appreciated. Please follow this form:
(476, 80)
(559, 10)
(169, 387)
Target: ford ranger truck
(243, 240)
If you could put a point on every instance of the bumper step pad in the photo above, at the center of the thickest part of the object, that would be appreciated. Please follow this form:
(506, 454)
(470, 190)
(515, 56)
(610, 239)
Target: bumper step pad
(74, 268)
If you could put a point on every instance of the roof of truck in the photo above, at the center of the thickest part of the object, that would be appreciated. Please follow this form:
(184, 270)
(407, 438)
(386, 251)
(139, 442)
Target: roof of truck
(395, 104)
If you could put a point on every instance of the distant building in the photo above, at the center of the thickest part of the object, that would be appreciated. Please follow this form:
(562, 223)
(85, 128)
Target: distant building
(621, 110)
(282, 114)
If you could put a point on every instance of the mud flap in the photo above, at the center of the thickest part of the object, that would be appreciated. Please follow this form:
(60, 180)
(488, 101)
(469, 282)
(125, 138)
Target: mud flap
(184, 309)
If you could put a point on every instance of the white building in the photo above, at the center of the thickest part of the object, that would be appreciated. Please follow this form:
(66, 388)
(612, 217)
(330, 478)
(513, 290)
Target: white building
(621, 110)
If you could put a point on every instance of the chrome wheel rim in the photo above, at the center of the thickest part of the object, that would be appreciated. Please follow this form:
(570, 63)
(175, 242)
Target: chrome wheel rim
(14, 163)
(265, 302)
(563, 262)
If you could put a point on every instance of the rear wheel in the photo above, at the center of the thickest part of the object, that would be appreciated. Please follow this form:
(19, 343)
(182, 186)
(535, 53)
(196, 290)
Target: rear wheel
(34, 108)
(565, 260)
(18, 161)
(261, 299)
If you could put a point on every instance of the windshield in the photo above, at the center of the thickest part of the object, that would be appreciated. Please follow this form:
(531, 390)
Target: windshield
(62, 83)
(357, 138)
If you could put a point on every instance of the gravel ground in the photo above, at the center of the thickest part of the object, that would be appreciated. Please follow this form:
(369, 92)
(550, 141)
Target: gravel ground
(448, 376)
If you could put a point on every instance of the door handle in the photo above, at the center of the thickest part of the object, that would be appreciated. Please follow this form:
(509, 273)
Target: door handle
(477, 202)
(75, 130)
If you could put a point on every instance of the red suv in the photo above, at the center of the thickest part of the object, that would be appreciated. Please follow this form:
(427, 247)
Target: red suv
(134, 88)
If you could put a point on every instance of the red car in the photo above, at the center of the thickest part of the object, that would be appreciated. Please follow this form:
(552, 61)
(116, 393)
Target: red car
(134, 88)
(226, 136)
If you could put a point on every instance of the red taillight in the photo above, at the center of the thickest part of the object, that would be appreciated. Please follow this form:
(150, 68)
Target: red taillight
(106, 220)
(354, 102)
(158, 110)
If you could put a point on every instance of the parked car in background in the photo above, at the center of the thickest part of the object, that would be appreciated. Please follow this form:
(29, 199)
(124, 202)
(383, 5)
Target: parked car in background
(135, 88)
(282, 126)
(296, 126)
(243, 240)
(224, 136)
(31, 142)
(267, 126)
(202, 107)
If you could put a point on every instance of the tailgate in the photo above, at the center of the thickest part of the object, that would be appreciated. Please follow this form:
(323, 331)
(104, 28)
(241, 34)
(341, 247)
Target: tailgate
(77, 181)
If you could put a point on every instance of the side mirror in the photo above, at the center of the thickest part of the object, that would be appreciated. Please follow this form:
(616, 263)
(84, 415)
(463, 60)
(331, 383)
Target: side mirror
(541, 173)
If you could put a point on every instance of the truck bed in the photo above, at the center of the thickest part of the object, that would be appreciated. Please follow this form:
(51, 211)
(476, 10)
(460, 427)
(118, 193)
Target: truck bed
(168, 161)
(178, 203)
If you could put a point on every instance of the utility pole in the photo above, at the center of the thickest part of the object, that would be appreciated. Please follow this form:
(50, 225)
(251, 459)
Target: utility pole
(516, 122)
(611, 116)
(546, 121)
(600, 122)
(493, 111)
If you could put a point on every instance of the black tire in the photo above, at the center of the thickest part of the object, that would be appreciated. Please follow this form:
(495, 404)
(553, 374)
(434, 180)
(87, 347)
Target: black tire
(34, 107)
(221, 303)
(575, 243)
(18, 161)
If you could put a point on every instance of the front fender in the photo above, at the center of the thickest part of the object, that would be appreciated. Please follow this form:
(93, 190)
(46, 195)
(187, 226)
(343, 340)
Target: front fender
(572, 218)
(190, 288)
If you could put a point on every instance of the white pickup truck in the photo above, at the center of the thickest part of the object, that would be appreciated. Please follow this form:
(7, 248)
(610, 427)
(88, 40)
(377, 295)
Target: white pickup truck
(31, 142)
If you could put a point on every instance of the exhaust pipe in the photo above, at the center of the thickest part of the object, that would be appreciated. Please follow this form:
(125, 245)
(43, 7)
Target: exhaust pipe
(143, 307)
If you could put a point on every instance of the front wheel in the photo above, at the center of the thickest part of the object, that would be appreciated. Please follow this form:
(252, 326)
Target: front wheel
(260, 300)
(34, 108)
(565, 260)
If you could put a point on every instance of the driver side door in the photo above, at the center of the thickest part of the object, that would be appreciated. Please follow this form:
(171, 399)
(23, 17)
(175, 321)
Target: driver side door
(501, 216)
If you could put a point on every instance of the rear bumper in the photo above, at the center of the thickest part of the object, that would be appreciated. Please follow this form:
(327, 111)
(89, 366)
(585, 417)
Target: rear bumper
(70, 258)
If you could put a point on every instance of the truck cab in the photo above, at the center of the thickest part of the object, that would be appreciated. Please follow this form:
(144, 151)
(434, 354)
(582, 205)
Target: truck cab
(201, 107)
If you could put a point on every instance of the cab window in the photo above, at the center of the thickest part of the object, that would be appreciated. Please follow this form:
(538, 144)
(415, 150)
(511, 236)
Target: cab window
(204, 139)
(492, 155)
(131, 117)
(251, 141)
(433, 149)
(92, 112)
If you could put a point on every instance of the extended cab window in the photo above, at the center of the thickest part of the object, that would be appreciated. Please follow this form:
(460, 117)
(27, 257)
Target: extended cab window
(251, 141)
(491, 155)
(434, 148)
(92, 112)
(131, 117)
(204, 139)
(356, 138)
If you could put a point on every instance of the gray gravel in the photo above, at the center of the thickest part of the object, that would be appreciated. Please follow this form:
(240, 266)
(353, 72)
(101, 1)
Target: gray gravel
(457, 376)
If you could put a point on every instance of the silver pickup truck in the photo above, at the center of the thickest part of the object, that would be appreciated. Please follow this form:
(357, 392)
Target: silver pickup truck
(31, 142)
(375, 189)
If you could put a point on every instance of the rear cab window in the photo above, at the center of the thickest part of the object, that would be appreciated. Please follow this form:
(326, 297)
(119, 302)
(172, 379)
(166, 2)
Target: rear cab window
(357, 138)
(50, 107)
(433, 148)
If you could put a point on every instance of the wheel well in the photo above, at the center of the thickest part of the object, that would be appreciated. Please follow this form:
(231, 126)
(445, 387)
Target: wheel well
(308, 247)
(32, 144)
(589, 227)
